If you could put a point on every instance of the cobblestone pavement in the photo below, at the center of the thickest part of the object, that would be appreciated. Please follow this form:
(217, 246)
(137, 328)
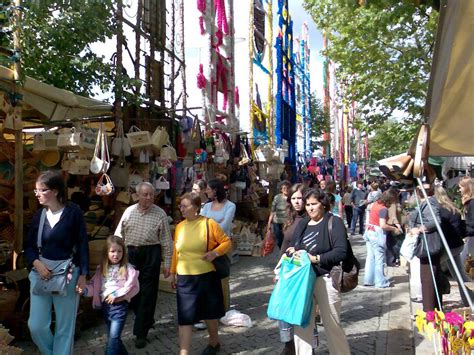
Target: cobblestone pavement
(375, 321)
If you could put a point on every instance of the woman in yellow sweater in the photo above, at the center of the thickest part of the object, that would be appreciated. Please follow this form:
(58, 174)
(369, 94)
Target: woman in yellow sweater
(197, 242)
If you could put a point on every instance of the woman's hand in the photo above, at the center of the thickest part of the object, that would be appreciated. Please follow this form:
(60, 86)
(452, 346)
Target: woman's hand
(290, 251)
(210, 256)
(313, 258)
(173, 281)
(42, 269)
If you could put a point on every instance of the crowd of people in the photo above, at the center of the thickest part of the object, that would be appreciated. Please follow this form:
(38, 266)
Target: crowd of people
(311, 219)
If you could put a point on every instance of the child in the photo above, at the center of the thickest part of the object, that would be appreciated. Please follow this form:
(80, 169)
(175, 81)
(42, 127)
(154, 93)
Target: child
(112, 287)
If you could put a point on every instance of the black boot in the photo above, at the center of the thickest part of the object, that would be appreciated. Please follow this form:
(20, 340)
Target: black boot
(289, 348)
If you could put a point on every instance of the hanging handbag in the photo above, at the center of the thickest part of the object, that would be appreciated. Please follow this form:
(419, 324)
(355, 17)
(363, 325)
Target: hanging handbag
(344, 279)
(60, 270)
(119, 173)
(160, 138)
(221, 263)
(78, 166)
(162, 184)
(120, 143)
(125, 197)
(138, 138)
(45, 141)
(194, 140)
(104, 186)
(168, 152)
(89, 137)
(70, 140)
(134, 179)
(101, 160)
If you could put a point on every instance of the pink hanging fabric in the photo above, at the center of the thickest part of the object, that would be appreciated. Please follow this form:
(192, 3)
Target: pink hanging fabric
(201, 5)
(201, 79)
(219, 7)
(236, 97)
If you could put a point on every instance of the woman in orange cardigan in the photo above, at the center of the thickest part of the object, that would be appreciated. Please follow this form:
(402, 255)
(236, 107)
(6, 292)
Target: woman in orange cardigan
(197, 242)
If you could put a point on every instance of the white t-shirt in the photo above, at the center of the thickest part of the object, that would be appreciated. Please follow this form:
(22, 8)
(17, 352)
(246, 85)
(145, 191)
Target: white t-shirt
(54, 217)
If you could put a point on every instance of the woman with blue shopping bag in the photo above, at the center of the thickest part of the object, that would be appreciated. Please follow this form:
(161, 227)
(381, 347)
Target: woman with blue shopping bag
(312, 244)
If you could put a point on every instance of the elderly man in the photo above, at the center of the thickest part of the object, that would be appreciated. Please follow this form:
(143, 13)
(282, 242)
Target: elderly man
(145, 228)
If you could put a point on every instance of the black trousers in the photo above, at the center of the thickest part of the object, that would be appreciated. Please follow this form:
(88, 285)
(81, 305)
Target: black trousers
(147, 260)
(391, 254)
(428, 292)
(348, 212)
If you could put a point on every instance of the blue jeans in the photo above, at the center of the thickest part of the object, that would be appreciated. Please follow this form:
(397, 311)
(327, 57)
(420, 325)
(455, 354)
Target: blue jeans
(115, 316)
(65, 309)
(358, 214)
(286, 331)
(374, 265)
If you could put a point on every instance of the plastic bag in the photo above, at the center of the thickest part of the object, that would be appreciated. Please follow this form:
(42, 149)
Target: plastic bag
(236, 319)
(407, 250)
(292, 298)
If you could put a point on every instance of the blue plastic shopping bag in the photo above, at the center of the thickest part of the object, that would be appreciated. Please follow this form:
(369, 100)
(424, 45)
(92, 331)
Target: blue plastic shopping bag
(292, 298)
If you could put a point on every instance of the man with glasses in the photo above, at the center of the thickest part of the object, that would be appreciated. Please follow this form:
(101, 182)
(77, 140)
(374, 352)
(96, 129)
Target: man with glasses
(145, 228)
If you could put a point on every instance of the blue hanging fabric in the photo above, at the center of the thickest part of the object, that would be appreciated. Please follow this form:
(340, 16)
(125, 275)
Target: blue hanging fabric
(292, 298)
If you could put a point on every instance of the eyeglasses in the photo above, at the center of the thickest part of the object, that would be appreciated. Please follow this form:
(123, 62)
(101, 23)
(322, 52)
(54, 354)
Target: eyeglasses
(184, 206)
(40, 191)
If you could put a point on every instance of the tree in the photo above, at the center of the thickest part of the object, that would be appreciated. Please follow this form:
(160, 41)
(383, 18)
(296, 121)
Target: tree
(56, 38)
(390, 138)
(383, 52)
(319, 123)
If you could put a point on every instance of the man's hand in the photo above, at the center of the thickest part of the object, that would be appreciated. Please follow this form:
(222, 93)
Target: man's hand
(166, 272)
(173, 281)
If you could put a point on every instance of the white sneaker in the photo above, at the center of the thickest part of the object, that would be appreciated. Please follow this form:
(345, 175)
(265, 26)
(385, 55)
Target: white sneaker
(200, 326)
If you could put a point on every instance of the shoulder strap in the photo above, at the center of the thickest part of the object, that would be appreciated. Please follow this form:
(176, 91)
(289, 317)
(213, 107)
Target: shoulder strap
(330, 231)
(40, 228)
(207, 234)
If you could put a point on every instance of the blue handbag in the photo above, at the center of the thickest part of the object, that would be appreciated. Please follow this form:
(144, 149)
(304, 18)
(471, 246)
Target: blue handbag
(292, 298)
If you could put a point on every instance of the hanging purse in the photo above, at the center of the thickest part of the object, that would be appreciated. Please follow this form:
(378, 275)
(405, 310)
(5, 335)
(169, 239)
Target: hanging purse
(162, 184)
(70, 140)
(120, 143)
(194, 140)
(168, 152)
(138, 138)
(160, 138)
(119, 172)
(104, 186)
(45, 141)
(100, 161)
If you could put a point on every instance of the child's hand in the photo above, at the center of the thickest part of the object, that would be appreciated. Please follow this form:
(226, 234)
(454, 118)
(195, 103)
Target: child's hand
(110, 299)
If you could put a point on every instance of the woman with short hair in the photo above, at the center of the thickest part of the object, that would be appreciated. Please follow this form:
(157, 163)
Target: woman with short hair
(198, 241)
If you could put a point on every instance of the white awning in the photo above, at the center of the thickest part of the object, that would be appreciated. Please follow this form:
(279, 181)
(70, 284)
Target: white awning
(449, 105)
(46, 101)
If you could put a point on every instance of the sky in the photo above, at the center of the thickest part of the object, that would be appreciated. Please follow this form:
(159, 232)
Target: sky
(299, 16)
(195, 44)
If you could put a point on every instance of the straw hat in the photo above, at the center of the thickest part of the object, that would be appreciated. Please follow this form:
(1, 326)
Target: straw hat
(50, 158)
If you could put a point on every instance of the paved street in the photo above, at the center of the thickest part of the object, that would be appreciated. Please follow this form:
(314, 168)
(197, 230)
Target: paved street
(376, 321)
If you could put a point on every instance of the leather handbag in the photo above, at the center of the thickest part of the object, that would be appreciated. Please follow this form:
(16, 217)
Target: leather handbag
(120, 144)
(100, 162)
(432, 246)
(61, 270)
(344, 280)
(221, 263)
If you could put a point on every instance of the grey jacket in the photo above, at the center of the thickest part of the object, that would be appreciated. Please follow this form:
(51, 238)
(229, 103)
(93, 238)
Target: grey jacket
(428, 219)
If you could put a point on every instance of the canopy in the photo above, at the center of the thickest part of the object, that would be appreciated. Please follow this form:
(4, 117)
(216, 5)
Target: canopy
(45, 101)
(449, 106)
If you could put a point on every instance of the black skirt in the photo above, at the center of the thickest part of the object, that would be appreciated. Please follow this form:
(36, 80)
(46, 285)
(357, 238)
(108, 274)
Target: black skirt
(199, 297)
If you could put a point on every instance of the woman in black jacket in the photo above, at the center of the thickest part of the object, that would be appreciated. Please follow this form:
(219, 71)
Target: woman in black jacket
(466, 187)
(312, 235)
(451, 224)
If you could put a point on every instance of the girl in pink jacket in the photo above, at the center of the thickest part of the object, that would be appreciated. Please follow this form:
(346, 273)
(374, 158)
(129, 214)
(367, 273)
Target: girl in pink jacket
(112, 287)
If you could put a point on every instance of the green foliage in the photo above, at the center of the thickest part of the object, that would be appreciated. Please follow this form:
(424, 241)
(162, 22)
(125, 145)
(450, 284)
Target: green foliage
(319, 123)
(56, 38)
(383, 53)
(390, 138)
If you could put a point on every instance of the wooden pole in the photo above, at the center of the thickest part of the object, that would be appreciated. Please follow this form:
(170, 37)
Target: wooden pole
(18, 241)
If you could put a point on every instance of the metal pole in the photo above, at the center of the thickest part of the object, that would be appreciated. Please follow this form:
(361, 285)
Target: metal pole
(446, 246)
